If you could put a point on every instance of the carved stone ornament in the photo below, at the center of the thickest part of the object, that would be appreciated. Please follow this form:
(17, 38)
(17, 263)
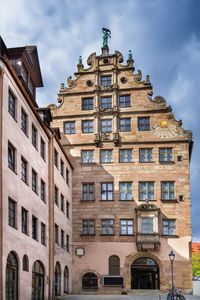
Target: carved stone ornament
(188, 134)
(147, 206)
(71, 83)
(115, 110)
(138, 77)
(119, 56)
(105, 136)
(109, 87)
(115, 138)
(96, 138)
(96, 112)
(91, 59)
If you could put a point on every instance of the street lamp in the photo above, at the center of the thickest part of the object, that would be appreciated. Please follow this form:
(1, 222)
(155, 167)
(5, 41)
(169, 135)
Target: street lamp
(172, 257)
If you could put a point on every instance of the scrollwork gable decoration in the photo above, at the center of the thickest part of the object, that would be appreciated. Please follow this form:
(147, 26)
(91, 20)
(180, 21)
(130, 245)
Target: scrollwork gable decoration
(71, 82)
(119, 56)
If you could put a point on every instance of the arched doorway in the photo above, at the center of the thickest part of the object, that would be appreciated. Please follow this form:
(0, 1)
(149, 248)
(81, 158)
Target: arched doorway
(90, 281)
(57, 279)
(145, 274)
(37, 281)
(66, 280)
(12, 277)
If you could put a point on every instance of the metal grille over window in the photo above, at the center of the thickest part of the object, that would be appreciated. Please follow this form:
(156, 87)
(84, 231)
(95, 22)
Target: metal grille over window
(114, 265)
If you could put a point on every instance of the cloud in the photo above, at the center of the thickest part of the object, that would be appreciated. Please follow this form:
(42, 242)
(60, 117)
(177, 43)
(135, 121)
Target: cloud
(164, 38)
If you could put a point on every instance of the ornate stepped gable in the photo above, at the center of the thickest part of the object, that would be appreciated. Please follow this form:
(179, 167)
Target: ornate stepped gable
(87, 84)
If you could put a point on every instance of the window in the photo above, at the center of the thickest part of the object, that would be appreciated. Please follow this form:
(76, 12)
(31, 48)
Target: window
(56, 195)
(42, 148)
(126, 227)
(12, 104)
(87, 104)
(169, 227)
(43, 234)
(69, 127)
(106, 102)
(107, 227)
(67, 242)
(24, 74)
(62, 202)
(25, 263)
(125, 190)
(106, 81)
(34, 181)
(106, 125)
(146, 190)
(67, 209)
(12, 213)
(87, 156)
(114, 265)
(24, 217)
(62, 239)
(88, 227)
(62, 168)
(24, 170)
(66, 280)
(87, 126)
(124, 101)
(144, 123)
(56, 234)
(34, 227)
(43, 190)
(125, 155)
(31, 87)
(11, 157)
(24, 122)
(107, 191)
(34, 136)
(147, 225)
(146, 155)
(67, 176)
(88, 191)
(106, 156)
(125, 124)
(165, 154)
(168, 190)
(55, 158)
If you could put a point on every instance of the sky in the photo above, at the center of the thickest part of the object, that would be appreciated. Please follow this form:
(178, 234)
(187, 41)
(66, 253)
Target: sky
(164, 37)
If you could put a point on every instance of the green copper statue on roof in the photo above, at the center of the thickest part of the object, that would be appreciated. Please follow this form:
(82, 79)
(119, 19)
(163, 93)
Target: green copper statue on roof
(106, 35)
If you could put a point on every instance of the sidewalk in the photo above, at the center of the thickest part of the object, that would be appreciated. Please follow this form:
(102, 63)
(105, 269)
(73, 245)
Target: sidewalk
(121, 297)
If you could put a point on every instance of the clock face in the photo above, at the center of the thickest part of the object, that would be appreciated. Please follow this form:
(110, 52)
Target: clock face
(165, 130)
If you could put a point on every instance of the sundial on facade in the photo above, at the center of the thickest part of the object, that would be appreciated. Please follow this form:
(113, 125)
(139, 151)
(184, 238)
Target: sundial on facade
(165, 130)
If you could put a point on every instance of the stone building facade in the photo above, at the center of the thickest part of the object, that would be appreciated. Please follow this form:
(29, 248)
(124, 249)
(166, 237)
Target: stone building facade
(31, 266)
(131, 181)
